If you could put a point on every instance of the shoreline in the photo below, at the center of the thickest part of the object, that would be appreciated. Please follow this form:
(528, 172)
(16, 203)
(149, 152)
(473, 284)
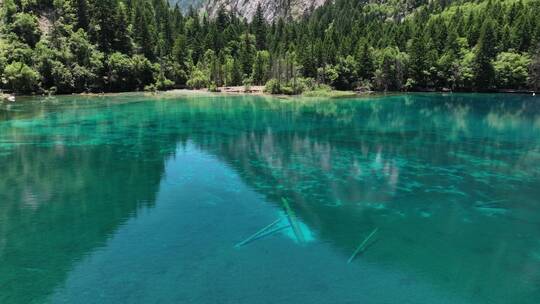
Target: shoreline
(7, 97)
(259, 91)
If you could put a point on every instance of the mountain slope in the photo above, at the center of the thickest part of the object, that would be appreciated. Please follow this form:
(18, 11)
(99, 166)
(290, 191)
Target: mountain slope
(186, 4)
(272, 9)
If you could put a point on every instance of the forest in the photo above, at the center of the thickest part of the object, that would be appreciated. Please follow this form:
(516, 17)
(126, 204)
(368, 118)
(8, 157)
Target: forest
(75, 46)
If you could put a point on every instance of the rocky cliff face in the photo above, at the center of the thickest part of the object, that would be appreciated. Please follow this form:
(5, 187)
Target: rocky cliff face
(272, 9)
(185, 4)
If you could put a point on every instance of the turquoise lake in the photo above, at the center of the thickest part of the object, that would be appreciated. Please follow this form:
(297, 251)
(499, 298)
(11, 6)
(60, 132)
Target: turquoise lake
(136, 198)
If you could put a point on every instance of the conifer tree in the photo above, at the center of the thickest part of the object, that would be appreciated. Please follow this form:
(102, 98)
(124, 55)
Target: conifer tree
(83, 18)
(485, 53)
(144, 29)
(259, 28)
(364, 58)
(246, 54)
(534, 70)
(103, 27)
(418, 60)
(122, 36)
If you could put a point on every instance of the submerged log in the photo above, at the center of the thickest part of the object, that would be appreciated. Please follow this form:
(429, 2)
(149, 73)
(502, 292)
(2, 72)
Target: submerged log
(293, 222)
(258, 233)
(362, 246)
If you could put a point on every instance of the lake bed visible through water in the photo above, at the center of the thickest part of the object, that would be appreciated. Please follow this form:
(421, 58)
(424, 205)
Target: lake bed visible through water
(132, 198)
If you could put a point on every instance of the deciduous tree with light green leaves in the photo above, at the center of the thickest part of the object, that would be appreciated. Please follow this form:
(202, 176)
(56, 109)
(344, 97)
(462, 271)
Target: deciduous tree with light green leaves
(511, 70)
(21, 78)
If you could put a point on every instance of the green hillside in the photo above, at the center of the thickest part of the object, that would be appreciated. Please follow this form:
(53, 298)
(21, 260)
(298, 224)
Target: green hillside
(67, 46)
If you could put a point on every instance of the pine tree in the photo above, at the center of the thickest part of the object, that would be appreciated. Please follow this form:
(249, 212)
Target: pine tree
(418, 53)
(534, 70)
(167, 32)
(247, 50)
(83, 18)
(103, 27)
(484, 73)
(259, 28)
(122, 36)
(307, 59)
(521, 32)
(144, 29)
(452, 45)
(237, 75)
(364, 58)
(180, 51)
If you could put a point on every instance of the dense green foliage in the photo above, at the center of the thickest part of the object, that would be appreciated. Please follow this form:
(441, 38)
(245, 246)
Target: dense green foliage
(119, 45)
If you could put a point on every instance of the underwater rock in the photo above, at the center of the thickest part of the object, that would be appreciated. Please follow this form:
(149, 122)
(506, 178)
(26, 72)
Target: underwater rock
(490, 208)
(425, 214)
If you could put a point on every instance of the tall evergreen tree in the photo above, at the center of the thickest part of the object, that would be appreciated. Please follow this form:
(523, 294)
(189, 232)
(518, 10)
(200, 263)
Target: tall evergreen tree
(259, 28)
(247, 52)
(103, 24)
(418, 53)
(484, 73)
(145, 30)
(122, 36)
(83, 17)
(534, 70)
(364, 58)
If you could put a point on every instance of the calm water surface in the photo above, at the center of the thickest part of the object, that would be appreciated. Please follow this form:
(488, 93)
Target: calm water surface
(138, 199)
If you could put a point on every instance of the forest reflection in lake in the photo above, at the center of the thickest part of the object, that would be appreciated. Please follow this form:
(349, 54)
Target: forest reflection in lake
(143, 197)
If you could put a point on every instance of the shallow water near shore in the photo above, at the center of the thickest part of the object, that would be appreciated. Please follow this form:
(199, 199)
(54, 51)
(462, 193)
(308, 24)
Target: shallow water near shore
(141, 199)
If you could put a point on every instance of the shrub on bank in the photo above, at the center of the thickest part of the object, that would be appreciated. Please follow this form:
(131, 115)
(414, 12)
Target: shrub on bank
(292, 87)
(213, 87)
(198, 80)
(272, 86)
